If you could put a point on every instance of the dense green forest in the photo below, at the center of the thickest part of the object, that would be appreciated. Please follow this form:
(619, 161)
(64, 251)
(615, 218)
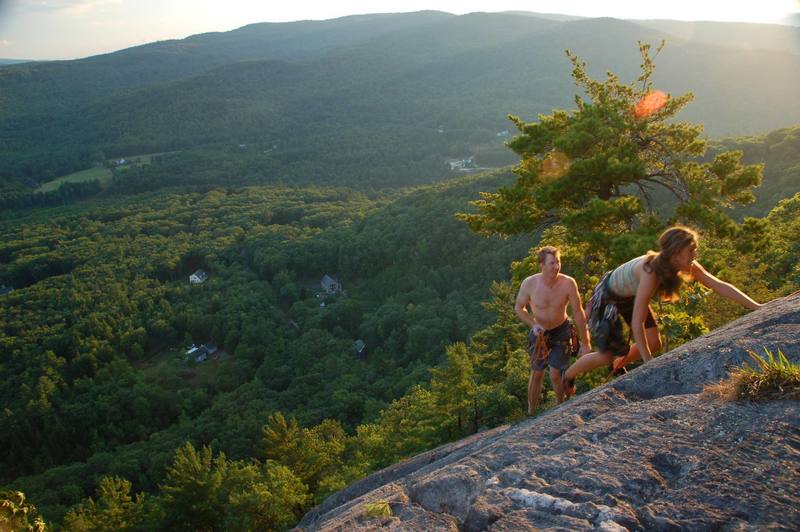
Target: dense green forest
(108, 424)
(95, 380)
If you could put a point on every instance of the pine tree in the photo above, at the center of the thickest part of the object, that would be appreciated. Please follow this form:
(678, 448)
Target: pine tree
(18, 514)
(454, 389)
(614, 171)
(114, 509)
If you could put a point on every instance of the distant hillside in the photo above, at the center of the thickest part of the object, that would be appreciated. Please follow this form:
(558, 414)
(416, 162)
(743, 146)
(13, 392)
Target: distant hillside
(13, 61)
(780, 151)
(734, 35)
(57, 85)
(550, 16)
(793, 19)
(377, 98)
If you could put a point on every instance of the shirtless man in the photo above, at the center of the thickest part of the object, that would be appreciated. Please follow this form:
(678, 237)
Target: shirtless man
(548, 294)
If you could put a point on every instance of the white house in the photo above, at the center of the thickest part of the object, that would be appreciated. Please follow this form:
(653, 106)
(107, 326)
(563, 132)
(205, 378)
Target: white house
(462, 164)
(198, 277)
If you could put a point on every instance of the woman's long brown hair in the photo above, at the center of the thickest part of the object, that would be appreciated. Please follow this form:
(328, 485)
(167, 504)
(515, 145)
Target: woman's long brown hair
(671, 242)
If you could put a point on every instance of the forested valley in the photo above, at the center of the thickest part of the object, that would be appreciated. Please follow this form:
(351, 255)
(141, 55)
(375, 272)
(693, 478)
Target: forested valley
(96, 380)
(110, 422)
(99, 394)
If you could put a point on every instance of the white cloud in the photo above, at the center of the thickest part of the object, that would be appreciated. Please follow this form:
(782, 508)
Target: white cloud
(41, 5)
(86, 7)
(70, 7)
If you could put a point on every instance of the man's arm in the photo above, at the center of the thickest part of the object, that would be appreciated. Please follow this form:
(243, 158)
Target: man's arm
(580, 317)
(521, 305)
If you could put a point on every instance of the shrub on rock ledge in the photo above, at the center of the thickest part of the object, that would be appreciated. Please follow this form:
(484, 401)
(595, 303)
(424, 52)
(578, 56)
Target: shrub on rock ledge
(773, 378)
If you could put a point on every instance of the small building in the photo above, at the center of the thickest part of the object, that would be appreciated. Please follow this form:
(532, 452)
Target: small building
(331, 285)
(360, 347)
(118, 162)
(201, 353)
(198, 277)
(461, 164)
(5, 289)
(198, 354)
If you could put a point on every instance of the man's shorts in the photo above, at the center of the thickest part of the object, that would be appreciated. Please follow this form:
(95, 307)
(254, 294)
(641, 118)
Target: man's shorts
(559, 341)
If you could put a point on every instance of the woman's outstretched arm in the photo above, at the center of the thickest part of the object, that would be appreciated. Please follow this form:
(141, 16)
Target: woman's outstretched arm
(726, 290)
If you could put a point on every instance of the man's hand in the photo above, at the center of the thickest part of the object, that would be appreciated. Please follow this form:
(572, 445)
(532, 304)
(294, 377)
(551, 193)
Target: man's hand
(585, 348)
(536, 329)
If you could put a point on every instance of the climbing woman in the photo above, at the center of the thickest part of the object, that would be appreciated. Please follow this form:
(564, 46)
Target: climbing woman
(625, 293)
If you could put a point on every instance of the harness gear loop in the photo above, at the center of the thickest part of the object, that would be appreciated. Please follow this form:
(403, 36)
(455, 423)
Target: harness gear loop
(542, 350)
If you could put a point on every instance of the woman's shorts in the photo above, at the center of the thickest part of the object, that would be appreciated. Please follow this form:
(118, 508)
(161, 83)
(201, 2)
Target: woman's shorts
(609, 337)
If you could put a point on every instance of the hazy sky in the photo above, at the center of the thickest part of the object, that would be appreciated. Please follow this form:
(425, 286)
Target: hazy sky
(66, 29)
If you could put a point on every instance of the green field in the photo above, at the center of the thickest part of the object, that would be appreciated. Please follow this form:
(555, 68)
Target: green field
(101, 173)
(141, 160)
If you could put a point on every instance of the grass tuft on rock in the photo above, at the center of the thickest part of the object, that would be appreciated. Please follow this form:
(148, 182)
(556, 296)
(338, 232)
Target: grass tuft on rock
(378, 509)
(770, 379)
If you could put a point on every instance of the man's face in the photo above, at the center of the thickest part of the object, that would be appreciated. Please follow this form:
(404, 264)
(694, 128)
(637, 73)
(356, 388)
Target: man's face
(551, 265)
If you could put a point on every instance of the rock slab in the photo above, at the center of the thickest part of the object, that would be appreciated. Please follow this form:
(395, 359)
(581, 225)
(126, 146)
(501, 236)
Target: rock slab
(645, 452)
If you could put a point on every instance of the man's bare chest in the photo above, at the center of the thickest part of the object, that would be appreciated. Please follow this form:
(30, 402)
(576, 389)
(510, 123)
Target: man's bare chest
(545, 297)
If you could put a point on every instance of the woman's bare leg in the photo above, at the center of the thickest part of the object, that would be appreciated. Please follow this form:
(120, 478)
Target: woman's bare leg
(585, 363)
(653, 340)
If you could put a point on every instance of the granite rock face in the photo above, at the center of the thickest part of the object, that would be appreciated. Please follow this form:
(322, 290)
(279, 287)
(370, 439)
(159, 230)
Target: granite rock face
(645, 452)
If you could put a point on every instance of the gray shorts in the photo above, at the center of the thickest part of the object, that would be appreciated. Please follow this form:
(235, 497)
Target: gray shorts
(559, 341)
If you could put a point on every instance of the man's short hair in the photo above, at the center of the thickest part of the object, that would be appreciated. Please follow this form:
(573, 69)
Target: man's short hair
(548, 250)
